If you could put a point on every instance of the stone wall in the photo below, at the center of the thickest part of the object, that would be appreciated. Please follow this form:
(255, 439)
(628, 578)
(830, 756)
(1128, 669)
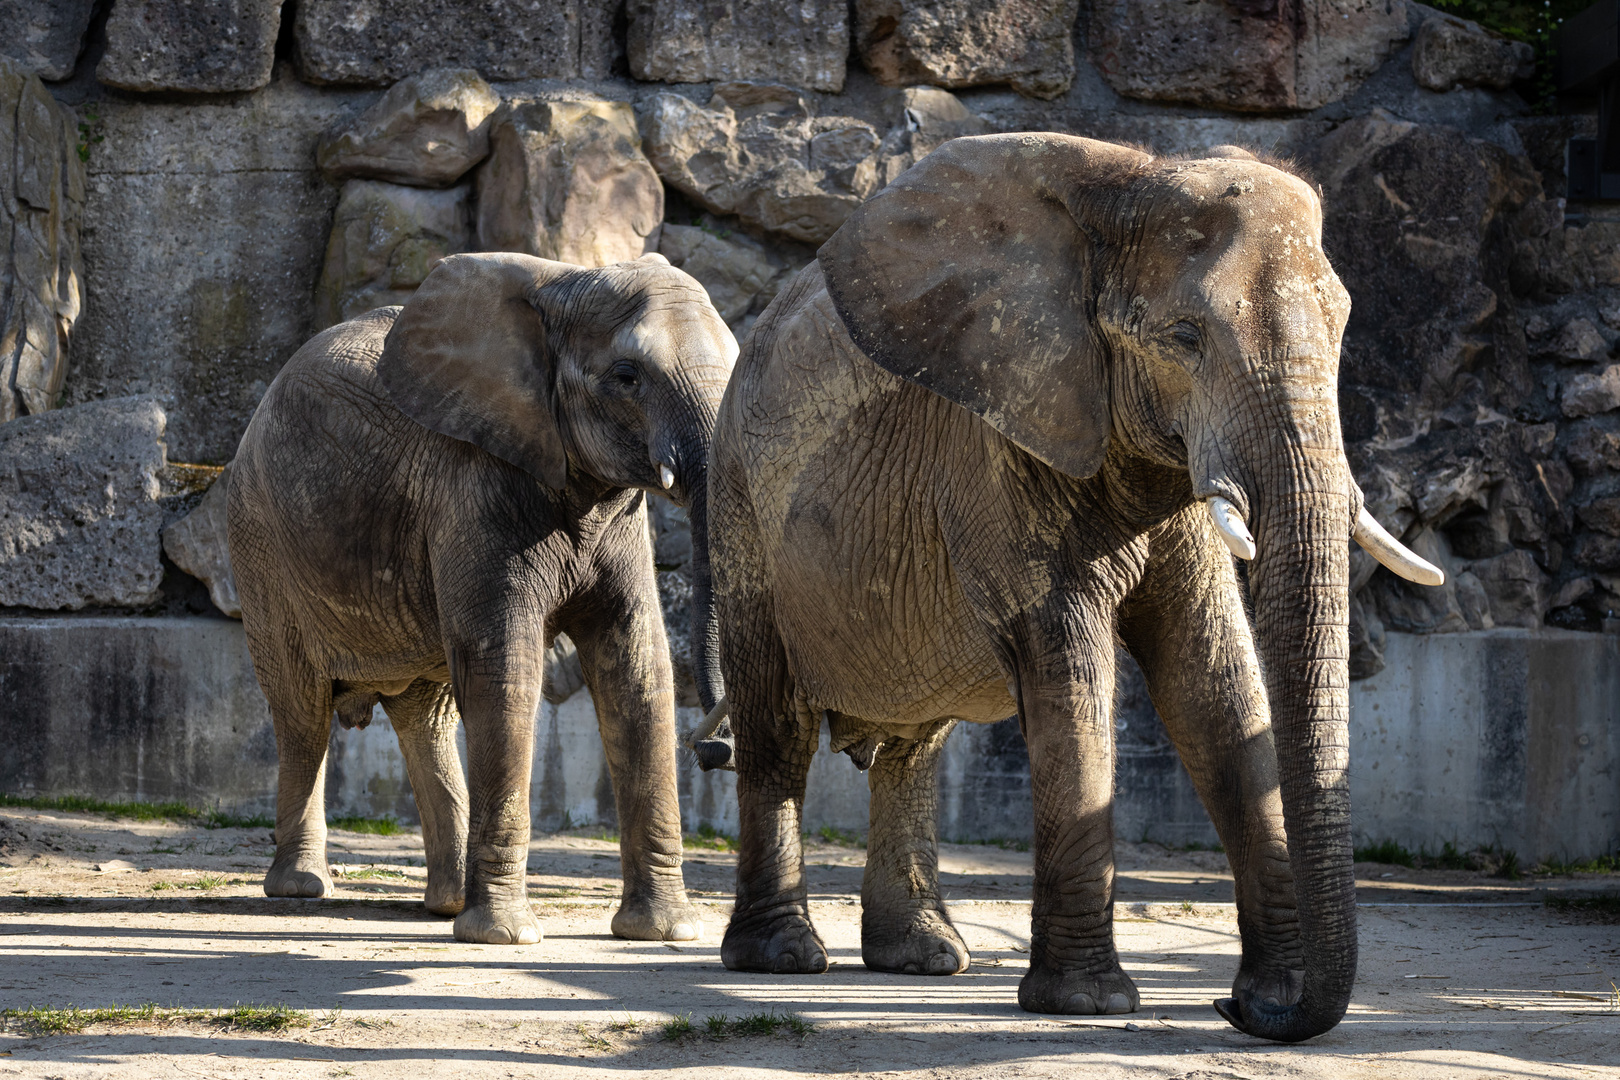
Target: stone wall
(181, 206)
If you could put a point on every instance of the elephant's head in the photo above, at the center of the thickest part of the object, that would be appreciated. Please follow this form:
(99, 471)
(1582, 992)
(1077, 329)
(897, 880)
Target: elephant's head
(613, 373)
(1074, 293)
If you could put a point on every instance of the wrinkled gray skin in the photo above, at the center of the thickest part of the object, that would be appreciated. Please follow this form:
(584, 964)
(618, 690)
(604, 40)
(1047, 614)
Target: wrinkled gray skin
(962, 455)
(426, 496)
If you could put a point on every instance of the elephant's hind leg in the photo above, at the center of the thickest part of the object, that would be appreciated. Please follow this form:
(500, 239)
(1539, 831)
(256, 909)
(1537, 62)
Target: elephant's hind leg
(904, 925)
(424, 719)
(301, 712)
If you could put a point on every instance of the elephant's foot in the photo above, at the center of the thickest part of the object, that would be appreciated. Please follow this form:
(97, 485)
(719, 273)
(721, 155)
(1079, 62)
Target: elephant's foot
(445, 895)
(785, 945)
(647, 920)
(1084, 992)
(498, 926)
(299, 874)
(919, 943)
(1255, 992)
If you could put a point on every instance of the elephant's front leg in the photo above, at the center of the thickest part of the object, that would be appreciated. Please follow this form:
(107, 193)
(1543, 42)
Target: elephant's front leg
(497, 687)
(904, 925)
(1186, 627)
(625, 658)
(1065, 685)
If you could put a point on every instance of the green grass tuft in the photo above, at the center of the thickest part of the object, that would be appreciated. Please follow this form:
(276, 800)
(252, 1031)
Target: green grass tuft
(839, 836)
(372, 872)
(1389, 853)
(709, 838)
(262, 1018)
(72, 1019)
(757, 1024)
(677, 1028)
(1603, 864)
(373, 826)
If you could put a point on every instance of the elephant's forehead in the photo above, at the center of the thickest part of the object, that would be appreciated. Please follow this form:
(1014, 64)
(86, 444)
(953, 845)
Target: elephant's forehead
(1236, 196)
(678, 328)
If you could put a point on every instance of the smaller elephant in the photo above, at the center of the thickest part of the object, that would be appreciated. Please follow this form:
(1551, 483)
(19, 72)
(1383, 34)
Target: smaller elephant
(426, 497)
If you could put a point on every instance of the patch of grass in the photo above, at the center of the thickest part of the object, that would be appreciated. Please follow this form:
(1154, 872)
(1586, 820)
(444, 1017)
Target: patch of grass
(677, 1027)
(372, 872)
(262, 1018)
(1389, 853)
(1597, 909)
(72, 1019)
(207, 881)
(592, 1040)
(629, 1023)
(1603, 864)
(842, 837)
(765, 1023)
(372, 826)
(159, 886)
(1187, 907)
(177, 812)
(708, 838)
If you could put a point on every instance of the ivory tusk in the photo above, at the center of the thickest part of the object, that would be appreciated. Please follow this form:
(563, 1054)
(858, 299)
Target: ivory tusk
(711, 722)
(1229, 523)
(666, 476)
(1394, 554)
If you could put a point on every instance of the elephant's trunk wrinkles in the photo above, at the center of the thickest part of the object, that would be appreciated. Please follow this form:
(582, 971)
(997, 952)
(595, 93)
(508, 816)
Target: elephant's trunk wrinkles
(705, 634)
(1299, 582)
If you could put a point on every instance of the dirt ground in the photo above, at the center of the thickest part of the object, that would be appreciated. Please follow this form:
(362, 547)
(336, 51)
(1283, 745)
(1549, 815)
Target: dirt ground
(1461, 975)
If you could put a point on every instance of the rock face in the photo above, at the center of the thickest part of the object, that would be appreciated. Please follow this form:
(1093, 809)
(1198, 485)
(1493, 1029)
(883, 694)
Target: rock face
(567, 180)
(205, 227)
(734, 269)
(428, 130)
(385, 239)
(1588, 395)
(197, 544)
(1454, 52)
(363, 42)
(79, 509)
(41, 210)
(800, 42)
(1240, 54)
(44, 36)
(210, 47)
(958, 43)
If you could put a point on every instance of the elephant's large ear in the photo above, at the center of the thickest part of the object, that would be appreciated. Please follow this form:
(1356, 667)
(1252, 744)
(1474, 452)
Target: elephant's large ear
(970, 276)
(468, 357)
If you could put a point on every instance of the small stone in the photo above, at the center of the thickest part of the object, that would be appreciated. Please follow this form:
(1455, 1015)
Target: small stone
(44, 36)
(567, 180)
(79, 506)
(960, 43)
(41, 273)
(385, 240)
(208, 47)
(734, 269)
(427, 130)
(799, 42)
(1580, 340)
(197, 544)
(1602, 514)
(1588, 395)
(1593, 452)
(1248, 57)
(1536, 325)
(363, 42)
(1455, 52)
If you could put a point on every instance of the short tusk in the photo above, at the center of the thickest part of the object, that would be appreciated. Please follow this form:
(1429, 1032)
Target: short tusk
(1229, 523)
(1394, 554)
(711, 723)
(666, 476)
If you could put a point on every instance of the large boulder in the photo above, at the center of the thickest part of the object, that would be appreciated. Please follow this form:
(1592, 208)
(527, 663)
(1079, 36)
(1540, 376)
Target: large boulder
(197, 544)
(80, 506)
(41, 209)
(205, 225)
(44, 36)
(1590, 394)
(1240, 54)
(172, 45)
(362, 42)
(567, 180)
(959, 43)
(385, 239)
(428, 130)
(800, 42)
(736, 270)
(757, 150)
(1454, 52)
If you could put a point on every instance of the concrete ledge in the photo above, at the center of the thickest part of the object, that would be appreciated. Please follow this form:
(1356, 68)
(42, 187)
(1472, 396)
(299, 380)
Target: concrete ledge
(1505, 737)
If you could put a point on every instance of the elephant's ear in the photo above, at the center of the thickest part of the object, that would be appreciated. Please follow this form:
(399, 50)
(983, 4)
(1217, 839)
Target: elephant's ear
(970, 275)
(468, 357)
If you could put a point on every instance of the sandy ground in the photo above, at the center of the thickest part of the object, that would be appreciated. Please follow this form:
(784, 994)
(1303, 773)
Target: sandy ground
(1461, 975)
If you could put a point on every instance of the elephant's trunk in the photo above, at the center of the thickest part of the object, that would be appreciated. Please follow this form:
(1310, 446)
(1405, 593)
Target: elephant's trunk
(1299, 581)
(705, 634)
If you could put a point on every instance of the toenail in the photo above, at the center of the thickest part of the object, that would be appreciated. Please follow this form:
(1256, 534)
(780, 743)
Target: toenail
(1081, 1005)
(1118, 1003)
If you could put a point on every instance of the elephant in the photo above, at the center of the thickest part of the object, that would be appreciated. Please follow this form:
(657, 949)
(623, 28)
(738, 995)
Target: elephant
(426, 496)
(1028, 402)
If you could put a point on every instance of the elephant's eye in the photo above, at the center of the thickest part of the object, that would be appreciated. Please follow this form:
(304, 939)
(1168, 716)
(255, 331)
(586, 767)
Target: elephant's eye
(1186, 335)
(626, 374)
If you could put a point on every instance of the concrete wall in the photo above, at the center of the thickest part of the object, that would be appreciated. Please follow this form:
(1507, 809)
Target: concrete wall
(1505, 737)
